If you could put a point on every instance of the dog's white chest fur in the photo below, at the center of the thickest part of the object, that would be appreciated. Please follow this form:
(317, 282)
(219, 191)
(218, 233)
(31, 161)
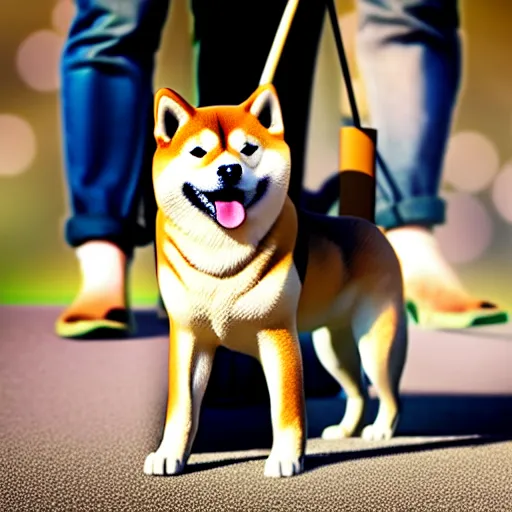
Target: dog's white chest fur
(217, 306)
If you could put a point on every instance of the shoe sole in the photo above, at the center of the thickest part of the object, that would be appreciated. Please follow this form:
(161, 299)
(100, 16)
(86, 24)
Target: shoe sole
(438, 320)
(93, 329)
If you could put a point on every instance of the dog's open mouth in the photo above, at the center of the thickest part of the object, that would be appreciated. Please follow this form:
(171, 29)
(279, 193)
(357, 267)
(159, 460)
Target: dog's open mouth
(228, 205)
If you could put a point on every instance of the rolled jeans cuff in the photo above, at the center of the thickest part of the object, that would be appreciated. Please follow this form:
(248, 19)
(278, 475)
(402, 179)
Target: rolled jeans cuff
(422, 210)
(126, 235)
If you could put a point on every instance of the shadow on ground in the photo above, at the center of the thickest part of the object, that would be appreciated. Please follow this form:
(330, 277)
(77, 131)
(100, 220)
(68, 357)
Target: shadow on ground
(149, 325)
(236, 412)
(317, 460)
(244, 428)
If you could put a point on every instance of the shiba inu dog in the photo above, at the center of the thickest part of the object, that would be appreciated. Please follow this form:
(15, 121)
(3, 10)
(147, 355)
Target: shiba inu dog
(238, 266)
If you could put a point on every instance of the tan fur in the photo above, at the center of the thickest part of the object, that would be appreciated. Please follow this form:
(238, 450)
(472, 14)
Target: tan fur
(240, 288)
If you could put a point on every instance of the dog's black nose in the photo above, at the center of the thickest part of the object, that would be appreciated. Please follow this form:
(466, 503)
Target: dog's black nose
(230, 174)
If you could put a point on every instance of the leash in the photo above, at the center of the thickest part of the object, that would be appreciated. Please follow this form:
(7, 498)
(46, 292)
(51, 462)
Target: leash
(342, 56)
(357, 149)
(276, 50)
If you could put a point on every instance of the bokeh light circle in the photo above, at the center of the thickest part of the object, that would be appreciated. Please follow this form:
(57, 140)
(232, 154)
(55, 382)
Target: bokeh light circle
(38, 60)
(468, 230)
(502, 192)
(17, 145)
(62, 16)
(471, 162)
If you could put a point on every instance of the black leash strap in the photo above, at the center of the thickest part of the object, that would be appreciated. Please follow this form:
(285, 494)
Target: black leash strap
(343, 62)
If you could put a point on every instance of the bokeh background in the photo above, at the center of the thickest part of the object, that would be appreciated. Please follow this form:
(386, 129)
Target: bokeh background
(36, 266)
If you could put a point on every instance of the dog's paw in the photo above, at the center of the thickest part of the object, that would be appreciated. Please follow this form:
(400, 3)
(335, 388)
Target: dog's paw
(336, 432)
(162, 463)
(278, 467)
(377, 432)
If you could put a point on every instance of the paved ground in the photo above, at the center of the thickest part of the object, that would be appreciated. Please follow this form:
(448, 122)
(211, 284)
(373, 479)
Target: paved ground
(77, 419)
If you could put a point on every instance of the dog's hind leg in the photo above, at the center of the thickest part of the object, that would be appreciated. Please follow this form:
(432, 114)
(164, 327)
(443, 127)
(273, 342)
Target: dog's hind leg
(190, 366)
(337, 351)
(383, 350)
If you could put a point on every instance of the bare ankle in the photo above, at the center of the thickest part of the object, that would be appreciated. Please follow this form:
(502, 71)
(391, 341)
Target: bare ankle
(93, 248)
(103, 267)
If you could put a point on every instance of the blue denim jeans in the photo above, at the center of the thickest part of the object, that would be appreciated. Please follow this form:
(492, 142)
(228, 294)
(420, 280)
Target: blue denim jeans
(107, 97)
(409, 57)
(409, 54)
(107, 69)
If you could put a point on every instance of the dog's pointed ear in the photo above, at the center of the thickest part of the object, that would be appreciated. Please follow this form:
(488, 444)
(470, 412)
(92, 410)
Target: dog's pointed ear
(264, 105)
(171, 113)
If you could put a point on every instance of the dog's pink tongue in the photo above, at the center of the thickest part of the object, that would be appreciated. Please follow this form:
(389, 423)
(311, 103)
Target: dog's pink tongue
(230, 214)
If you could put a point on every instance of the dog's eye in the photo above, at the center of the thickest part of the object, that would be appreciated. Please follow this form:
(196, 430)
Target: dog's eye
(198, 152)
(249, 149)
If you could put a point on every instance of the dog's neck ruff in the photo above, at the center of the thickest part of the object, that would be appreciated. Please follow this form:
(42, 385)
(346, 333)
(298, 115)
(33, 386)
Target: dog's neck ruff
(215, 254)
(220, 255)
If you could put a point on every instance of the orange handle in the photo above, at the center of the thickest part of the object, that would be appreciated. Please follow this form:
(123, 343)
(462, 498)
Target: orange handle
(357, 172)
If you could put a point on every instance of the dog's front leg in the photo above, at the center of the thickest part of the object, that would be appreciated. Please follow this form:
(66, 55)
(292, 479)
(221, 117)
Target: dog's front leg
(280, 357)
(190, 365)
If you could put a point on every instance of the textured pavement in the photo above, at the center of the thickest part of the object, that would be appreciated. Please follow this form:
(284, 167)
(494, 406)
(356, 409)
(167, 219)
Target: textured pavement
(78, 418)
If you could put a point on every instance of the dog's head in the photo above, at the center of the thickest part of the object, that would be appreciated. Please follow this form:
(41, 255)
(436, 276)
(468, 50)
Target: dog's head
(221, 168)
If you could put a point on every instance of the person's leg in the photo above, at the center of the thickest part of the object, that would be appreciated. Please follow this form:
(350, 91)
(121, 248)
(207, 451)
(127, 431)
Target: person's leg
(234, 41)
(410, 59)
(107, 68)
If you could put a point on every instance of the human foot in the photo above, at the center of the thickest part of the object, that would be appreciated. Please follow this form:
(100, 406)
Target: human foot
(434, 293)
(100, 308)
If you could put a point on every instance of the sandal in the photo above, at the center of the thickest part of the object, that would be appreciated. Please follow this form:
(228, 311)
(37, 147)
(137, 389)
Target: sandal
(115, 323)
(487, 314)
